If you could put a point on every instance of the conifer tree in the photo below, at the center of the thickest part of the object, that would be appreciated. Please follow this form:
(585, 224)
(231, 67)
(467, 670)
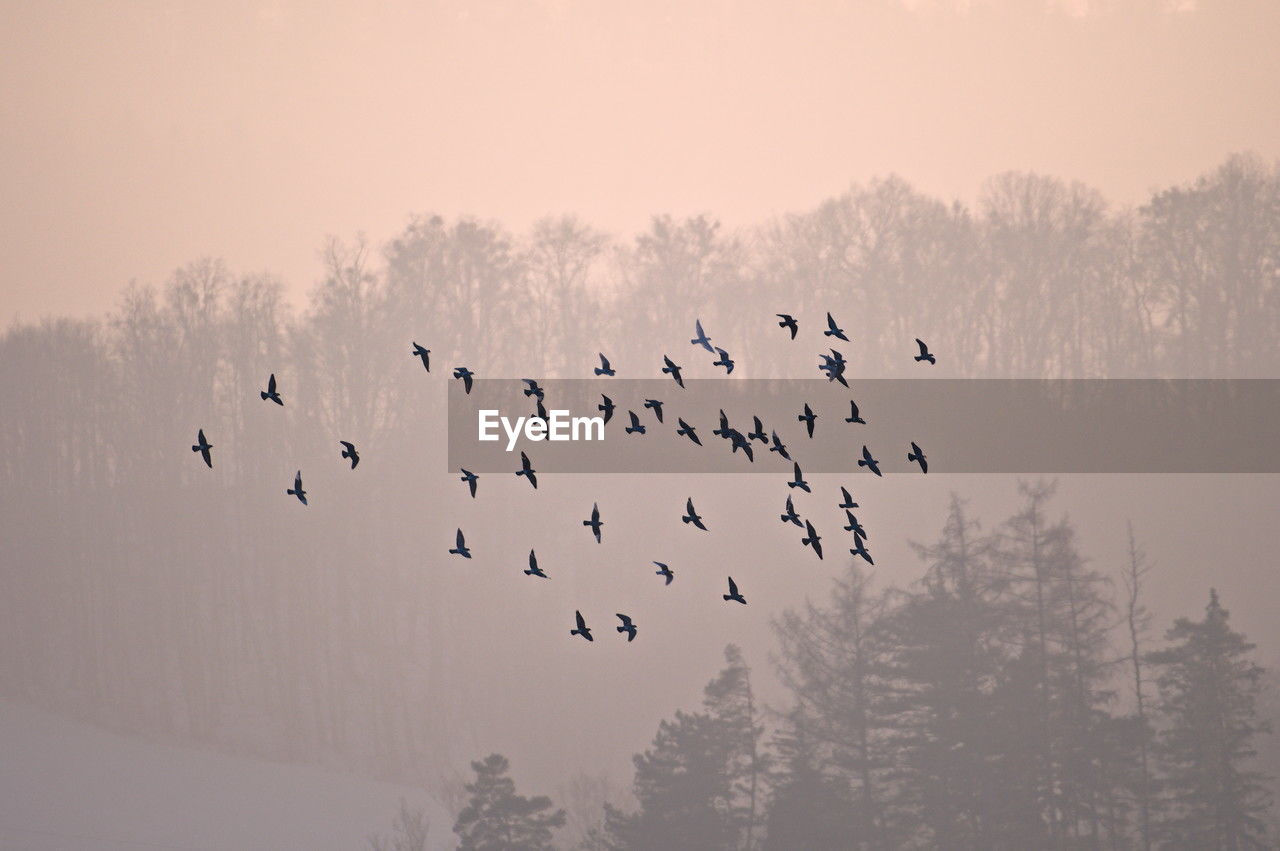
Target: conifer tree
(497, 819)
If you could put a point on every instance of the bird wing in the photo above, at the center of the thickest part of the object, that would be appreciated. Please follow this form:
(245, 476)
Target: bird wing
(460, 540)
(604, 361)
(924, 350)
(200, 437)
(533, 561)
(582, 624)
(831, 322)
(297, 481)
(271, 383)
(350, 447)
(733, 587)
(916, 449)
(688, 506)
(626, 621)
(595, 513)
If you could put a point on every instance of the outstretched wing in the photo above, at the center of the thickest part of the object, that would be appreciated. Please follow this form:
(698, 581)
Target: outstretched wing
(733, 587)
(582, 624)
(271, 383)
(460, 540)
(924, 350)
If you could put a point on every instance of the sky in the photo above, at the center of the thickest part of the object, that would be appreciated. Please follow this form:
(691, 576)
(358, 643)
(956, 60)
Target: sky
(136, 137)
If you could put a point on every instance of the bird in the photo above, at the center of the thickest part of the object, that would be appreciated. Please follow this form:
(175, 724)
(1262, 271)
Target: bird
(733, 594)
(203, 446)
(867, 461)
(460, 546)
(757, 432)
(470, 478)
(671, 369)
(779, 447)
(788, 322)
(925, 354)
(854, 526)
(724, 360)
(688, 431)
(917, 454)
(791, 516)
(271, 392)
(854, 416)
(847, 502)
(425, 354)
(656, 406)
(595, 522)
(833, 330)
(349, 451)
(607, 408)
(582, 627)
(604, 368)
(664, 572)
(811, 539)
(740, 442)
(540, 411)
(533, 389)
(534, 570)
(526, 470)
(834, 365)
(627, 626)
(635, 427)
(466, 375)
(798, 481)
(860, 549)
(691, 516)
(808, 418)
(702, 339)
(724, 429)
(297, 490)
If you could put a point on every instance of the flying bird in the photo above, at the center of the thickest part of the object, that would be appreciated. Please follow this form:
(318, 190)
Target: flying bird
(466, 375)
(917, 454)
(691, 516)
(740, 442)
(533, 389)
(534, 570)
(425, 354)
(671, 369)
(811, 539)
(791, 516)
(808, 418)
(779, 447)
(470, 478)
(664, 572)
(604, 368)
(607, 408)
(724, 360)
(635, 427)
(526, 470)
(203, 446)
(297, 490)
(724, 429)
(349, 451)
(460, 546)
(733, 594)
(627, 626)
(656, 406)
(702, 339)
(757, 432)
(595, 522)
(854, 416)
(854, 526)
(847, 502)
(540, 411)
(867, 461)
(271, 392)
(834, 365)
(582, 627)
(925, 354)
(833, 330)
(788, 322)
(688, 431)
(798, 481)
(860, 549)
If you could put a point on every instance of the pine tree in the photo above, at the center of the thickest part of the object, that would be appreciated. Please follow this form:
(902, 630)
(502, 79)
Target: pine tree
(729, 701)
(809, 809)
(497, 819)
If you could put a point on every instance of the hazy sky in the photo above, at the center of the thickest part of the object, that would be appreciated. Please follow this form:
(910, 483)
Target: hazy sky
(135, 137)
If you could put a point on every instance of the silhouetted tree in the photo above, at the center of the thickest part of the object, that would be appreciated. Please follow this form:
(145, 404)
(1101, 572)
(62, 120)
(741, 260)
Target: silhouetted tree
(497, 819)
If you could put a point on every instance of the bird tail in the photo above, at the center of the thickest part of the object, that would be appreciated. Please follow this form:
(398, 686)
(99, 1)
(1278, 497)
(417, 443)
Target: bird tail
(263, 394)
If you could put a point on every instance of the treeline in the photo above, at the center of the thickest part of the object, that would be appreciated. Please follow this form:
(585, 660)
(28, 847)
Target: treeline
(1004, 701)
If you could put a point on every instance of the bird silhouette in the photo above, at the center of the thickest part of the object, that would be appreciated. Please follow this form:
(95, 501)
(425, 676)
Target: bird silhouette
(425, 354)
(724, 360)
(867, 461)
(460, 546)
(533, 389)
(466, 375)
(539, 411)
(203, 446)
(688, 431)
(740, 442)
(671, 369)
(812, 539)
(798, 481)
(627, 626)
(297, 490)
(847, 501)
(917, 455)
(723, 430)
(702, 339)
(470, 478)
(788, 322)
(582, 627)
(757, 432)
(691, 516)
(854, 416)
(854, 526)
(664, 572)
(595, 522)
(635, 427)
(859, 548)
(349, 451)
(833, 330)
(733, 595)
(924, 353)
(604, 368)
(779, 447)
(656, 406)
(833, 365)
(526, 470)
(534, 570)
(808, 418)
(791, 516)
(607, 407)
(271, 392)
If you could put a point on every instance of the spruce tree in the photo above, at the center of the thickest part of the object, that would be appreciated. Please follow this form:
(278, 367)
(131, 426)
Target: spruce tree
(497, 819)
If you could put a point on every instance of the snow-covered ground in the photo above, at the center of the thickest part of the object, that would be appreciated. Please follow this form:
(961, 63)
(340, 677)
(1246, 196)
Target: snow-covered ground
(69, 786)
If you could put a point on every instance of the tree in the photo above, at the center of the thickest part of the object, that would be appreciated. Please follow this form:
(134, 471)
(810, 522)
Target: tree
(409, 833)
(808, 808)
(497, 819)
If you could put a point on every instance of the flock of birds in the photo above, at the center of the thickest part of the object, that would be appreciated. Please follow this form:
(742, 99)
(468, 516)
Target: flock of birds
(832, 366)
